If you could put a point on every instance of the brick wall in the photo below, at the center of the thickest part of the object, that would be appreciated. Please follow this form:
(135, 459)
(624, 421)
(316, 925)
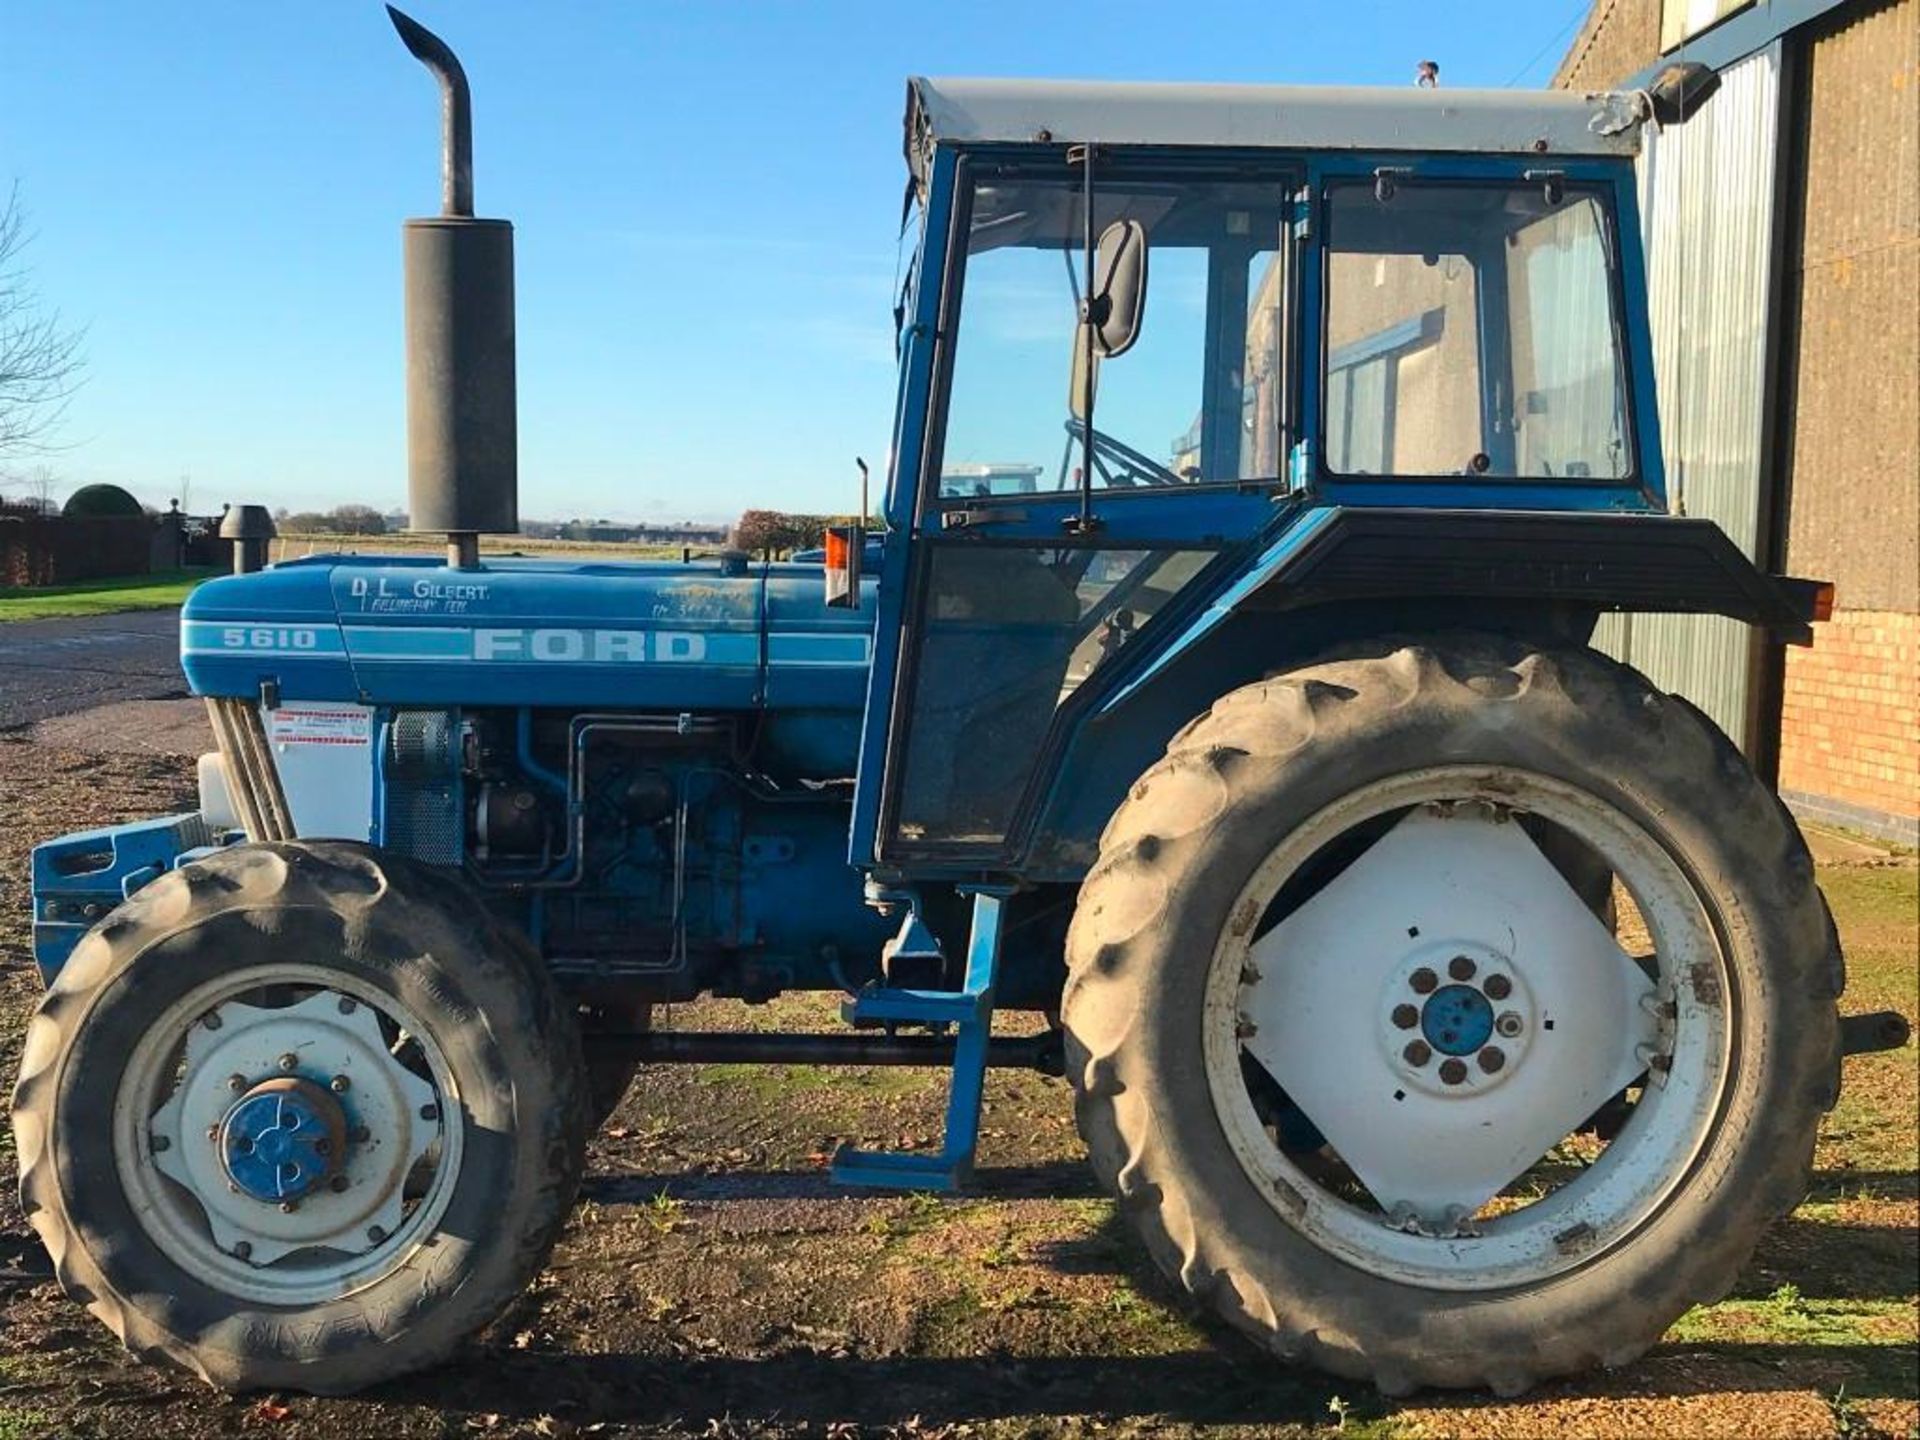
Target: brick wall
(1617, 38)
(1850, 724)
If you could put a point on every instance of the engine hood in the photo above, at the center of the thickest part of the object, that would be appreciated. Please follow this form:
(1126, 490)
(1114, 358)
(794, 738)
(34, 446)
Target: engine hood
(410, 631)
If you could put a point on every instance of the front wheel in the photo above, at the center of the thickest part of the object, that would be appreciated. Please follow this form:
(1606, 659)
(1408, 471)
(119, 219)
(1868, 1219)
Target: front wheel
(299, 1116)
(1340, 1031)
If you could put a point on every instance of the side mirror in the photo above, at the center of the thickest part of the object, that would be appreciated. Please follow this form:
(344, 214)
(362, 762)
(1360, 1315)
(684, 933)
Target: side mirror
(846, 548)
(1110, 314)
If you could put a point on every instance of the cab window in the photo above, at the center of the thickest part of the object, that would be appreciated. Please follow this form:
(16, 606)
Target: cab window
(1194, 401)
(1471, 331)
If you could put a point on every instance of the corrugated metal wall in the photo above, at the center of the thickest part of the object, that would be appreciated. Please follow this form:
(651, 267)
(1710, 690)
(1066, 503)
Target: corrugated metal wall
(1707, 202)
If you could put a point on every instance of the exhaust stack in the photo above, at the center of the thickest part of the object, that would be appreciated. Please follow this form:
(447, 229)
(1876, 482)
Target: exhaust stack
(462, 436)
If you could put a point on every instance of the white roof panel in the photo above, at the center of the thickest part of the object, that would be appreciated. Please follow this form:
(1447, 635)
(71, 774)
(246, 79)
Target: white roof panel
(1288, 117)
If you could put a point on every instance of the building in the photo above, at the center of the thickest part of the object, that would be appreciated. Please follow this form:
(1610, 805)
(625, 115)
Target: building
(1783, 227)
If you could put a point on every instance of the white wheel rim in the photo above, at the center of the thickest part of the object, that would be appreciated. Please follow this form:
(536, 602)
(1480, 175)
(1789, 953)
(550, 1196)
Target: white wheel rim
(1313, 1002)
(179, 1085)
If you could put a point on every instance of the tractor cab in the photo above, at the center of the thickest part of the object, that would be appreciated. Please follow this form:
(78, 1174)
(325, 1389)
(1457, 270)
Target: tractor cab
(1157, 337)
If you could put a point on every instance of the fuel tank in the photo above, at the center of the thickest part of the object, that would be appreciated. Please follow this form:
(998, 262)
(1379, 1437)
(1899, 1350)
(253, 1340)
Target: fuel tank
(409, 632)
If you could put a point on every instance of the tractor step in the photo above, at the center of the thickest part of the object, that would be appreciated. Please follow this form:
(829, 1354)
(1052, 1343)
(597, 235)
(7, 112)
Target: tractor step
(925, 1007)
(970, 1011)
(900, 1170)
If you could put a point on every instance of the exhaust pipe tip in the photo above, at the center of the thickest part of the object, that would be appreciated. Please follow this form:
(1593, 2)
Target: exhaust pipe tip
(456, 111)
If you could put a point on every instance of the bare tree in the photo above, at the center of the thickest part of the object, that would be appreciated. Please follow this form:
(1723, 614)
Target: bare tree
(40, 358)
(38, 483)
(32, 489)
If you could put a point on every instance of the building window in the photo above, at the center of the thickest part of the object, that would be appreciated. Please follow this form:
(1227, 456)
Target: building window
(1681, 20)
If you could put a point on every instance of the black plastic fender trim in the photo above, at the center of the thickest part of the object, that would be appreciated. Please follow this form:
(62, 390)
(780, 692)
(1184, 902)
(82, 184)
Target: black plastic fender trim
(1609, 560)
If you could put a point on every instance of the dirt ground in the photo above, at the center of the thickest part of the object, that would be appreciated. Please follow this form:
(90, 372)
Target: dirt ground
(713, 1284)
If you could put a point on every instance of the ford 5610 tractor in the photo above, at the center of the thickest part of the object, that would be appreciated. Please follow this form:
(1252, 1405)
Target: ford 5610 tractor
(1442, 1002)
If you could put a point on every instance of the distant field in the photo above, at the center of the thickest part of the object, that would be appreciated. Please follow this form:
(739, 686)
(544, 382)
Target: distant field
(293, 547)
(100, 597)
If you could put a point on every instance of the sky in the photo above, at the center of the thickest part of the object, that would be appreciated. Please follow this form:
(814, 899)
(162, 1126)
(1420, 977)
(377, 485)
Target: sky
(706, 200)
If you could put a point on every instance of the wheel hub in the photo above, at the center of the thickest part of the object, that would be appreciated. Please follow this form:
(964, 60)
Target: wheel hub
(283, 1139)
(293, 1128)
(1444, 1011)
(1457, 1020)
(1456, 1017)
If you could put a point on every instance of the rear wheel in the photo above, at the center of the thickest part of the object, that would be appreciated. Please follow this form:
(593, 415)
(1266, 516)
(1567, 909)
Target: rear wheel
(299, 1116)
(1347, 1039)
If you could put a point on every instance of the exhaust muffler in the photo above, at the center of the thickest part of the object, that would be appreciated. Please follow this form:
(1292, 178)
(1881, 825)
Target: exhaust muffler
(462, 432)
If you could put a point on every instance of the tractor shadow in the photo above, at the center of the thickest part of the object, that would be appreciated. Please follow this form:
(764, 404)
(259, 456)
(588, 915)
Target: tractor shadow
(792, 1379)
(1050, 1180)
(787, 1390)
(1233, 1385)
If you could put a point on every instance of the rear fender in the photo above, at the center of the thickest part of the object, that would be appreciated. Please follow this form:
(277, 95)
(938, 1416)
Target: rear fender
(1360, 573)
(1624, 561)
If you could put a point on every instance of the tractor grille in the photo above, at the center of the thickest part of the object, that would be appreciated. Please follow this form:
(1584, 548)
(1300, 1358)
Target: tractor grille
(423, 816)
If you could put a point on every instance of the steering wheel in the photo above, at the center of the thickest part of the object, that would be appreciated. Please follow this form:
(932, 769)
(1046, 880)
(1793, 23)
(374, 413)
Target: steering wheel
(1118, 464)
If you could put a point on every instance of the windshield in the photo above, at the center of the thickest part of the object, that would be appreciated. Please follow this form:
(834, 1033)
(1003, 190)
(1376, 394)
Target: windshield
(1471, 330)
(1193, 401)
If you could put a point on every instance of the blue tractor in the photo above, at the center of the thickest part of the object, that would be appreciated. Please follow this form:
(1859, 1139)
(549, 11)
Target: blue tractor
(1443, 1003)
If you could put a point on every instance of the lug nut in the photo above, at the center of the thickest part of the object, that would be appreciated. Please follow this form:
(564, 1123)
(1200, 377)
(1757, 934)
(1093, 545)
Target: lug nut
(213, 1132)
(1423, 980)
(339, 1084)
(1461, 968)
(287, 1207)
(1405, 1016)
(1498, 987)
(158, 1143)
(1453, 1071)
(323, 1146)
(236, 1082)
(242, 1250)
(1492, 1059)
(1417, 1052)
(339, 1183)
(376, 1233)
(1509, 1023)
(347, 1005)
(432, 1112)
(211, 1020)
(289, 1060)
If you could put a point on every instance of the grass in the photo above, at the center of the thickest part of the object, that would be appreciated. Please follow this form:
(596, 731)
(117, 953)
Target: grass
(100, 597)
(1854, 1253)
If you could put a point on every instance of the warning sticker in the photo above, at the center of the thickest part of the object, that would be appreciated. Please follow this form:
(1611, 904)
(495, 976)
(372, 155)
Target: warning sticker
(311, 725)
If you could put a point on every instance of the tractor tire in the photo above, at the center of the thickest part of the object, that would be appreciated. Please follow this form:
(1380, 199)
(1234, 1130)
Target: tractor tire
(370, 936)
(607, 1084)
(609, 1077)
(1175, 864)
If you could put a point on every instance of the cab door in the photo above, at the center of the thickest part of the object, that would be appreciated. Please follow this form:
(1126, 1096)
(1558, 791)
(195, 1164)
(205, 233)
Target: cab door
(1041, 559)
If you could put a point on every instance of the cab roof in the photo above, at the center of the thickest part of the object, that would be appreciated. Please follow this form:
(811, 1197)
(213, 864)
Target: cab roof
(1283, 117)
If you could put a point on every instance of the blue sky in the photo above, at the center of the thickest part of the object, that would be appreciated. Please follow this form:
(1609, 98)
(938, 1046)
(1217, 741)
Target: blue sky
(705, 198)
